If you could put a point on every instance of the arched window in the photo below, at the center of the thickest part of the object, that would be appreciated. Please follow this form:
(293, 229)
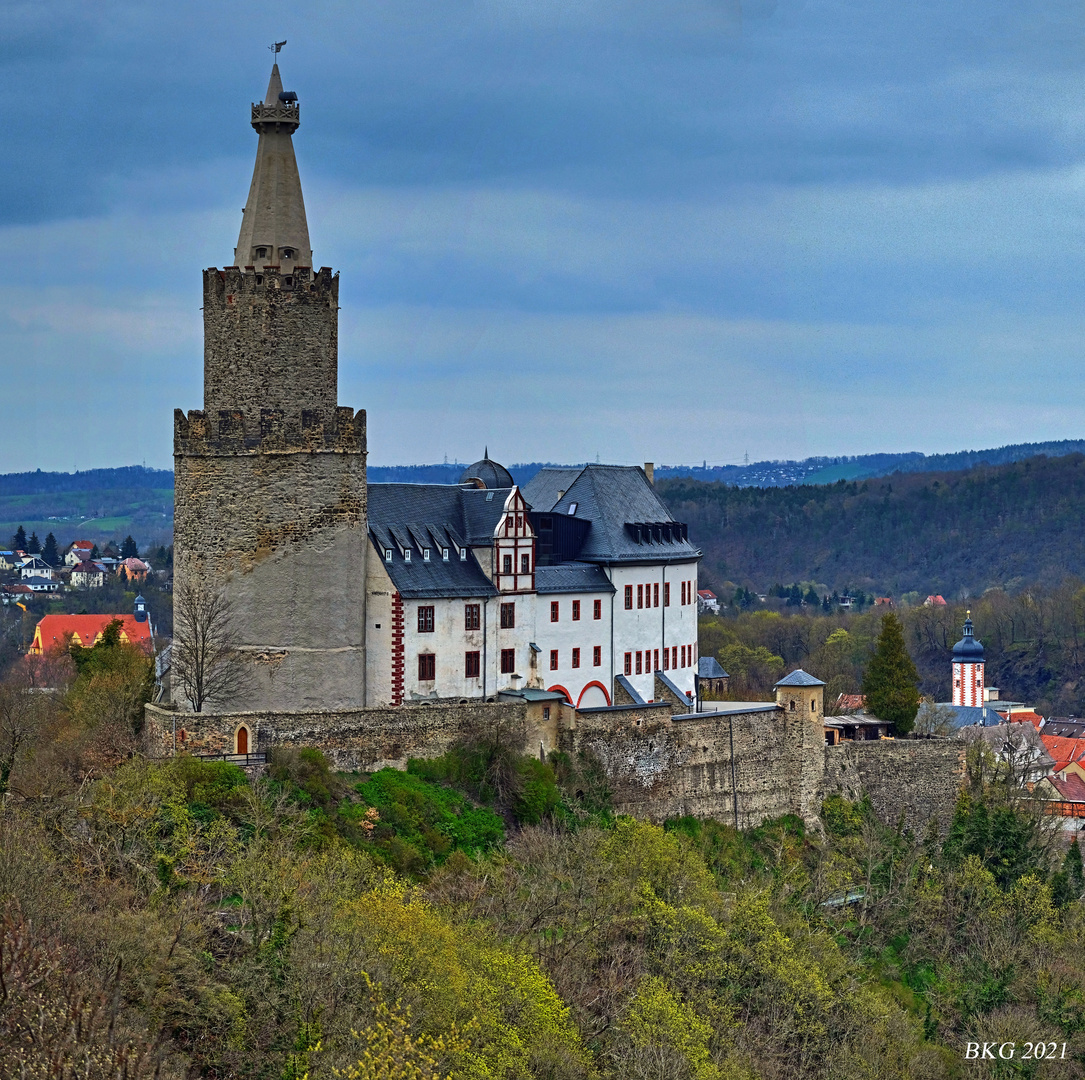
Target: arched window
(242, 740)
(792, 704)
(813, 705)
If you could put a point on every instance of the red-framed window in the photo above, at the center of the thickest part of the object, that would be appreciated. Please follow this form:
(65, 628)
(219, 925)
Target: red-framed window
(553, 659)
(597, 609)
(666, 659)
(472, 617)
(425, 619)
(506, 564)
(666, 594)
(674, 656)
(427, 667)
(683, 656)
(629, 598)
(655, 595)
(525, 564)
(508, 661)
(629, 663)
(640, 596)
(576, 658)
(576, 611)
(472, 665)
(639, 662)
(597, 656)
(554, 610)
(508, 616)
(655, 665)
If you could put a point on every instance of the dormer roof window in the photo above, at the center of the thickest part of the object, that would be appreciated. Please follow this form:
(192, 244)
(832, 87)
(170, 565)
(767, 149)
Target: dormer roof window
(387, 554)
(425, 554)
(572, 508)
(444, 554)
(407, 555)
(463, 554)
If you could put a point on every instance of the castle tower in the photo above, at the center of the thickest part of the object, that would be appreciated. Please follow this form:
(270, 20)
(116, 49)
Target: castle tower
(968, 668)
(270, 474)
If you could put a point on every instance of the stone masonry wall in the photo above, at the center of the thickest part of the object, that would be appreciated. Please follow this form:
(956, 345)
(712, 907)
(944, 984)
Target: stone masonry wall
(270, 340)
(918, 779)
(354, 740)
(661, 765)
(658, 765)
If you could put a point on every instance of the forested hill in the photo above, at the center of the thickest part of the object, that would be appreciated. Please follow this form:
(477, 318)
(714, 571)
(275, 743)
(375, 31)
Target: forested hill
(928, 532)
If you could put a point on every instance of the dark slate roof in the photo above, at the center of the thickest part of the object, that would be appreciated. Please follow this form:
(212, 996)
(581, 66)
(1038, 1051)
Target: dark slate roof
(609, 496)
(708, 667)
(572, 577)
(433, 516)
(544, 489)
(489, 472)
(799, 678)
(630, 689)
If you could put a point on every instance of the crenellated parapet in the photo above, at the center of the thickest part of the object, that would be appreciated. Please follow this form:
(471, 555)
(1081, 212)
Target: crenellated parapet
(233, 432)
(301, 285)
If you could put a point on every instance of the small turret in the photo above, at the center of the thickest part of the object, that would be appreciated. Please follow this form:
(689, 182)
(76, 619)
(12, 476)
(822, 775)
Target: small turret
(140, 611)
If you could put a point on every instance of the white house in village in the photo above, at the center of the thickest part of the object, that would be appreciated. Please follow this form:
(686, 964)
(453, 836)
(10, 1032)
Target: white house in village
(577, 582)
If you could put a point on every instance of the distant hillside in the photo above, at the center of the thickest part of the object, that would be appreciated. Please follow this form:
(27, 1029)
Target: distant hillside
(928, 532)
(99, 505)
(828, 470)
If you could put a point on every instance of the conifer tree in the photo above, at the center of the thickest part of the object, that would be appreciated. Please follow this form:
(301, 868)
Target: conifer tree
(129, 549)
(18, 541)
(891, 682)
(33, 545)
(49, 551)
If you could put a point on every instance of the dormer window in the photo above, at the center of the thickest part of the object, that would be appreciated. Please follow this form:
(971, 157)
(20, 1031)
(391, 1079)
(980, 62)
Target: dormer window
(387, 554)
(463, 554)
(407, 555)
(425, 554)
(444, 554)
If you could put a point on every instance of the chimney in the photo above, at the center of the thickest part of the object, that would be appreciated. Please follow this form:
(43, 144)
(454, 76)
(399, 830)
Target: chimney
(650, 472)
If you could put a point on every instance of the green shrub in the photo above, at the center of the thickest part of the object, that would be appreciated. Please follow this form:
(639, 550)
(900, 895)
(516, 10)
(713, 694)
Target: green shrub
(421, 822)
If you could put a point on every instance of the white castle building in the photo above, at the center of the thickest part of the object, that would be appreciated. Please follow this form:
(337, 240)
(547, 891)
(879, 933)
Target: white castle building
(580, 585)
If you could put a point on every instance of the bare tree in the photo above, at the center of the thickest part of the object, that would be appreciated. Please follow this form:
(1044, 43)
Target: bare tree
(934, 719)
(206, 659)
(23, 714)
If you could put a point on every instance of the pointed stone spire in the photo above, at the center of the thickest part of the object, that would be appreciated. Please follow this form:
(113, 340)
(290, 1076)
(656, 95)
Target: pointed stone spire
(274, 231)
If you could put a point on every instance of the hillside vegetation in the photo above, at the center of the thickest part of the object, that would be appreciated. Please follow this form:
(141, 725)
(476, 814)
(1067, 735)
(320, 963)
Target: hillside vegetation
(481, 918)
(948, 533)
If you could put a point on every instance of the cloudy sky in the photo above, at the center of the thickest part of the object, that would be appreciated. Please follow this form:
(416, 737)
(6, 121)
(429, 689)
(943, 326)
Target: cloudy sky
(672, 230)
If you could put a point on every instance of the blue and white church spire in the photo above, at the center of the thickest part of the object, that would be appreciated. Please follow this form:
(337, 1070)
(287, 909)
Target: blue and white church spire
(968, 668)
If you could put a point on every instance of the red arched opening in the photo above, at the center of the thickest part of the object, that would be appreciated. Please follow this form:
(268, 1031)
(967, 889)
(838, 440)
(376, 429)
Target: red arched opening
(557, 688)
(242, 740)
(594, 682)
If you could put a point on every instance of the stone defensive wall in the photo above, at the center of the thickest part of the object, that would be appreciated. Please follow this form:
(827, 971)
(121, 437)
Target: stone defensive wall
(354, 740)
(913, 779)
(741, 768)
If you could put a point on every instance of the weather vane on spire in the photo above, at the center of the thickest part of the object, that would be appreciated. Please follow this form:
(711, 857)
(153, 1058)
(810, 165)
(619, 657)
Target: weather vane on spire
(276, 48)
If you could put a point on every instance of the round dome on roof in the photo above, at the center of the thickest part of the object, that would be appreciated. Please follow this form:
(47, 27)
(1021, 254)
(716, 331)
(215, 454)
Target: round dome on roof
(968, 650)
(489, 472)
